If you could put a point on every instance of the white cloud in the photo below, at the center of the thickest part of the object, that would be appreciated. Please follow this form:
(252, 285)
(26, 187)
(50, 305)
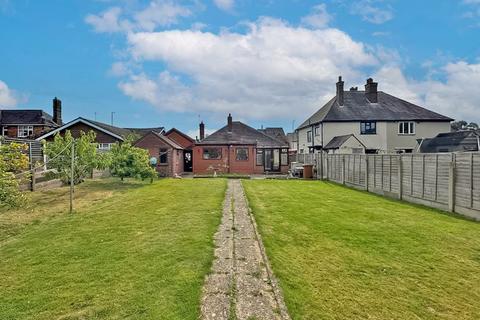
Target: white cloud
(226, 5)
(371, 11)
(161, 13)
(267, 72)
(457, 96)
(8, 97)
(319, 18)
(108, 21)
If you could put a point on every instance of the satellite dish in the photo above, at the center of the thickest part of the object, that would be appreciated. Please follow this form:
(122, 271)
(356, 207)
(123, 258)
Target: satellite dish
(153, 161)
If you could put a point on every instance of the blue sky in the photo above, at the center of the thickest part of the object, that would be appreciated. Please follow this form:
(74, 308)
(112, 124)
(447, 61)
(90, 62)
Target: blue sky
(271, 63)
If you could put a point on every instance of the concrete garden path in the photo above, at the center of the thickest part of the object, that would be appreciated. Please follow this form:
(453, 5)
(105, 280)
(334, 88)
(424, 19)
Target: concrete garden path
(241, 285)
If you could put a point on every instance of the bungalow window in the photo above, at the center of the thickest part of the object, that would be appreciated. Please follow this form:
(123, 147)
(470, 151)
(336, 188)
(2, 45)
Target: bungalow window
(4, 131)
(104, 146)
(212, 153)
(368, 127)
(284, 157)
(317, 130)
(259, 159)
(406, 127)
(24, 131)
(163, 156)
(241, 154)
(309, 136)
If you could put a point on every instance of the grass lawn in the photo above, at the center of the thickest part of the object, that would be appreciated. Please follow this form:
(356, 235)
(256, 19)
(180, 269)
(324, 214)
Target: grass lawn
(345, 254)
(131, 251)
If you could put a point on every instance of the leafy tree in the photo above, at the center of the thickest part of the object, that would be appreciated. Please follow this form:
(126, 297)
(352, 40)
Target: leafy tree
(86, 155)
(458, 125)
(464, 125)
(12, 161)
(128, 161)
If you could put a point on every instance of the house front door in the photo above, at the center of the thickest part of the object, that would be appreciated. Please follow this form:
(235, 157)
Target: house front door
(187, 160)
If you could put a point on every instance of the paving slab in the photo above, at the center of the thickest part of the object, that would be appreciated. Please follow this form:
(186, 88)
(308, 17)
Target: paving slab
(241, 281)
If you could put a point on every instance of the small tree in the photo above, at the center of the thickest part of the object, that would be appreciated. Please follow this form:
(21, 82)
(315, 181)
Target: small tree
(127, 161)
(12, 161)
(86, 156)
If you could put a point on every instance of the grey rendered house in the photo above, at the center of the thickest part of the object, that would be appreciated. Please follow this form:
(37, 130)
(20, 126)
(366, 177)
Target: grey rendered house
(381, 122)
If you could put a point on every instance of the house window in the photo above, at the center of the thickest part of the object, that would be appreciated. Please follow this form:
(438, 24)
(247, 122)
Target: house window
(317, 130)
(4, 131)
(284, 157)
(406, 127)
(309, 136)
(212, 153)
(259, 159)
(368, 127)
(241, 154)
(25, 131)
(104, 146)
(163, 156)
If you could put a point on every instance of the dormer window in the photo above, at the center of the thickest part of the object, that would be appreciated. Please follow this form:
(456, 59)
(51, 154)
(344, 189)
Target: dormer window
(24, 131)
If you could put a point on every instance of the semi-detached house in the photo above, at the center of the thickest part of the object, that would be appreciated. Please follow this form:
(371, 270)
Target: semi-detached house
(382, 123)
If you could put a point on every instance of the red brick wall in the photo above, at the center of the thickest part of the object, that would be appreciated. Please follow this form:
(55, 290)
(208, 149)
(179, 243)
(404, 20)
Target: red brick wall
(227, 164)
(180, 139)
(153, 144)
(228, 161)
(75, 130)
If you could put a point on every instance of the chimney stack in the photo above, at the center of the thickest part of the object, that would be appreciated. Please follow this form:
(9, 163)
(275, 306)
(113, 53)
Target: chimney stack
(229, 122)
(202, 131)
(371, 90)
(340, 91)
(57, 111)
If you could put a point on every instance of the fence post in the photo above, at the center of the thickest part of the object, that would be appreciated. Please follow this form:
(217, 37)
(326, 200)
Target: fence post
(32, 167)
(471, 180)
(343, 169)
(423, 176)
(436, 177)
(400, 177)
(366, 172)
(451, 185)
(321, 165)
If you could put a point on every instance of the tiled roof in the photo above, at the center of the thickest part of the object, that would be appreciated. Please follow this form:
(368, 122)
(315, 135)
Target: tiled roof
(356, 107)
(452, 141)
(13, 117)
(242, 134)
(276, 133)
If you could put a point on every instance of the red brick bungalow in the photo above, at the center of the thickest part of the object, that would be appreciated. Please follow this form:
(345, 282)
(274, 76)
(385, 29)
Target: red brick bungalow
(239, 148)
(169, 153)
(186, 143)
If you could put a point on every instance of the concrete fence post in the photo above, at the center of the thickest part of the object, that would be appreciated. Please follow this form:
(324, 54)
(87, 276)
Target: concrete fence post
(366, 172)
(343, 169)
(400, 177)
(451, 185)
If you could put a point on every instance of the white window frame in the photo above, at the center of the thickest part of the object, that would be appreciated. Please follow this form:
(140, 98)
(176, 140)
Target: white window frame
(104, 146)
(317, 130)
(410, 126)
(21, 131)
(309, 136)
(4, 131)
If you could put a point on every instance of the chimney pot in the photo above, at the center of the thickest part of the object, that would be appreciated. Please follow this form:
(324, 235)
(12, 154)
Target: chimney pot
(57, 111)
(202, 131)
(340, 91)
(371, 91)
(230, 122)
